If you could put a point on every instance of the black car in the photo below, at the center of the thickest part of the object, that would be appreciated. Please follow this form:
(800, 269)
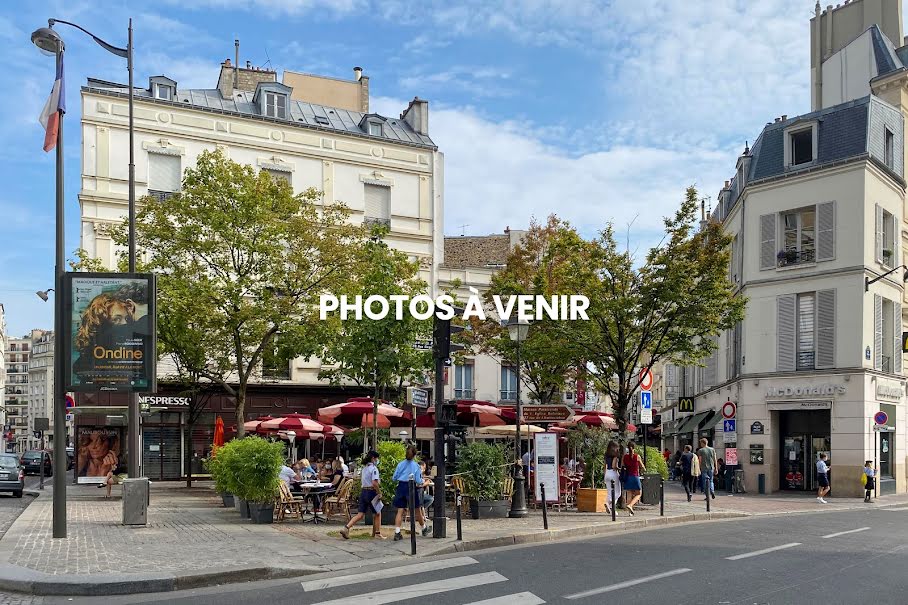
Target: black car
(12, 475)
(31, 460)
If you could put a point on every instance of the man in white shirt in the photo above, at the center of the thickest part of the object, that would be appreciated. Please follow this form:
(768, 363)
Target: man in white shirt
(287, 475)
(822, 479)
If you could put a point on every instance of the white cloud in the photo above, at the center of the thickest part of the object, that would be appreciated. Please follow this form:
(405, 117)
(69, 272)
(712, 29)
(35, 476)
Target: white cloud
(279, 8)
(478, 81)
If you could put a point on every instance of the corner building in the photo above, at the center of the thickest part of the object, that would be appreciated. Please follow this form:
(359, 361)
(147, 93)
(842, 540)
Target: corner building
(816, 210)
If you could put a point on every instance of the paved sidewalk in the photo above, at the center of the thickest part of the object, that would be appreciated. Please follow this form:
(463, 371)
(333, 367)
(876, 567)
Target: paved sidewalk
(192, 540)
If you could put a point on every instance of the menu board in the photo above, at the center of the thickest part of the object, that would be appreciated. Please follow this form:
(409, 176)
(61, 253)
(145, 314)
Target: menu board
(545, 465)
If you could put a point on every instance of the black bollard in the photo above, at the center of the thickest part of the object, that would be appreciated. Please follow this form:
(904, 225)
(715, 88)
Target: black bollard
(412, 516)
(545, 515)
(613, 500)
(457, 502)
(706, 486)
(661, 497)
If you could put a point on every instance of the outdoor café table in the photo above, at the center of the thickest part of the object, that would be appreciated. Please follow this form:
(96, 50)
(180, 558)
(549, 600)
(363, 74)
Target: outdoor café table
(310, 489)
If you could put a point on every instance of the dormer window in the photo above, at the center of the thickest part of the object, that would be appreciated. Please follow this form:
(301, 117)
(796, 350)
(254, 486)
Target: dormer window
(800, 145)
(276, 105)
(375, 129)
(163, 91)
(162, 87)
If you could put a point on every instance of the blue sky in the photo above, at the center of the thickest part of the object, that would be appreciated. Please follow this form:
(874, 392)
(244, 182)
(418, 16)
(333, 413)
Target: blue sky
(597, 111)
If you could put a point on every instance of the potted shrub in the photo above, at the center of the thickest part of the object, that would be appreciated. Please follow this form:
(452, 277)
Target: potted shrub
(482, 467)
(252, 466)
(591, 442)
(656, 468)
(215, 467)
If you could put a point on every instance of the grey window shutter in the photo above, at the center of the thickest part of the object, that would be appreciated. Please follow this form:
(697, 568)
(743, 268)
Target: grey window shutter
(877, 331)
(786, 332)
(878, 240)
(825, 357)
(710, 374)
(767, 241)
(897, 334)
(377, 201)
(826, 231)
(164, 172)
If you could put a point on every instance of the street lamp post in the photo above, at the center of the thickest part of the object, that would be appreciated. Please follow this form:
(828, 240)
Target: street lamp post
(517, 330)
(49, 41)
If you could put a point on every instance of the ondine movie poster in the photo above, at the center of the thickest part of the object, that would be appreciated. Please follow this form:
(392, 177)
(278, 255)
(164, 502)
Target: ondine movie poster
(110, 332)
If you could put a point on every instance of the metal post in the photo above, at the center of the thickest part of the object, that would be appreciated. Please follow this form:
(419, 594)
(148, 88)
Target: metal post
(644, 439)
(612, 495)
(707, 495)
(134, 439)
(661, 497)
(41, 482)
(545, 514)
(457, 502)
(412, 499)
(59, 399)
(519, 499)
(439, 520)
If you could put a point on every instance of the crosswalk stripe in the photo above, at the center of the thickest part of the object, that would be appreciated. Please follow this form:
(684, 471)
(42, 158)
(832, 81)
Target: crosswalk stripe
(895, 509)
(842, 533)
(415, 591)
(520, 598)
(628, 584)
(384, 574)
(762, 552)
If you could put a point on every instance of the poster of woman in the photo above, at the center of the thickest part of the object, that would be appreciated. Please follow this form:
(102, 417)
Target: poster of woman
(110, 332)
(98, 453)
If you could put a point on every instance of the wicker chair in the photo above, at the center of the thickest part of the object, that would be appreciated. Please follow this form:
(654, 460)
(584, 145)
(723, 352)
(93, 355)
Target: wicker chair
(288, 504)
(457, 483)
(507, 488)
(340, 501)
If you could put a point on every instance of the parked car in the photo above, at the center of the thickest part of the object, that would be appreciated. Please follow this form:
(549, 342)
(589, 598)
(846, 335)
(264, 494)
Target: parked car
(12, 475)
(31, 460)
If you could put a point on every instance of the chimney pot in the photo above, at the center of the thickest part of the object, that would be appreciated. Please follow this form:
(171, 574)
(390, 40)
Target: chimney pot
(227, 62)
(357, 73)
(248, 64)
(784, 116)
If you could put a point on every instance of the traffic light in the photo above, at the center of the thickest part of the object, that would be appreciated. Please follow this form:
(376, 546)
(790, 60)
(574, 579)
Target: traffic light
(441, 337)
(448, 413)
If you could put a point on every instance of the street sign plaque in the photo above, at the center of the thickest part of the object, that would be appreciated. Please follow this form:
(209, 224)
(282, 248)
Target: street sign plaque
(422, 345)
(546, 413)
(418, 397)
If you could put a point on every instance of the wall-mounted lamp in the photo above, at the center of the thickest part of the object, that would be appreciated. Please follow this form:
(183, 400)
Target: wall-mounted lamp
(42, 294)
(868, 281)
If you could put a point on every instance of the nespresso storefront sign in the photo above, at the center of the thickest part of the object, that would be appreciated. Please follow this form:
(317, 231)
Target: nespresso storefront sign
(162, 401)
(817, 390)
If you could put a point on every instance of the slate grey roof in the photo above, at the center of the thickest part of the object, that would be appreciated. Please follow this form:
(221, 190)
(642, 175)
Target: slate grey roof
(301, 113)
(884, 53)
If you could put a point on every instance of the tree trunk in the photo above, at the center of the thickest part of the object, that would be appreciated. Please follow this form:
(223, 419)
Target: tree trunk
(240, 411)
(375, 415)
(189, 426)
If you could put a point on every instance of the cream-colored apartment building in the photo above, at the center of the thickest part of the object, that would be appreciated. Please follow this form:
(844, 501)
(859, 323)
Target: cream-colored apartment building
(817, 210)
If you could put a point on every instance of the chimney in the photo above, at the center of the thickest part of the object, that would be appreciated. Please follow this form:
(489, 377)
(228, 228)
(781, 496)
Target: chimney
(357, 73)
(417, 116)
(236, 68)
(784, 117)
(248, 64)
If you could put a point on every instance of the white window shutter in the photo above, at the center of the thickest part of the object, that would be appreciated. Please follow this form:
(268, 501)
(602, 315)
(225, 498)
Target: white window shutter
(767, 241)
(878, 239)
(826, 231)
(710, 378)
(786, 332)
(897, 334)
(377, 202)
(825, 356)
(877, 331)
(164, 172)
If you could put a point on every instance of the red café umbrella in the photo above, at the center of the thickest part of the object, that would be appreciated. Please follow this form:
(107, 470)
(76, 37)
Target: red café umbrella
(472, 413)
(352, 413)
(299, 423)
(218, 440)
(253, 425)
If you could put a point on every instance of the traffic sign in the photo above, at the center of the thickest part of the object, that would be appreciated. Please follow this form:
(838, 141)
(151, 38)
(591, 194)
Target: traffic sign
(547, 413)
(881, 417)
(69, 417)
(728, 409)
(418, 397)
(646, 400)
(70, 402)
(686, 404)
(729, 426)
(731, 456)
(422, 345)
(646, 380)
(646, 416)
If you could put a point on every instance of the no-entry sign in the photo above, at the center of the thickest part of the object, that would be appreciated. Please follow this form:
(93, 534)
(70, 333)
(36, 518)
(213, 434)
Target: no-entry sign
(646, 380)
(728, 409)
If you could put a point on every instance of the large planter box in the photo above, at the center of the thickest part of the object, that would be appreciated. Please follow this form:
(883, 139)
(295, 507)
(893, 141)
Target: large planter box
(228, 500)
(242, 506)
(388, 516)
(591, 500)
(261, 512)
(650, 484)
(489, 509)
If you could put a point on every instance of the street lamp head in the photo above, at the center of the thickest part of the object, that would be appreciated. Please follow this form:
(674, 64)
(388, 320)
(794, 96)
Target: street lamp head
(42, 294)
(48, 41)
(517, 329)
(402, 435)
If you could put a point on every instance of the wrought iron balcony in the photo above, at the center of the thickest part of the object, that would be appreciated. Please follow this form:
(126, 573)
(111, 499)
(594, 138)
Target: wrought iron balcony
(791, 256)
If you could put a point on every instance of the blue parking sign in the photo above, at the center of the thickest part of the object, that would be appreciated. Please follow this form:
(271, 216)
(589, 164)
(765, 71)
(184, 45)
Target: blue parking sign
(646, 400)
(730, 426)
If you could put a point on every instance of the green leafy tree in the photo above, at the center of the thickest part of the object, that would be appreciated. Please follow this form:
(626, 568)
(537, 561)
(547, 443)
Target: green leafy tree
(668, 307)
(380, 352)
(542, 264)
(241, 262)
(592, 443)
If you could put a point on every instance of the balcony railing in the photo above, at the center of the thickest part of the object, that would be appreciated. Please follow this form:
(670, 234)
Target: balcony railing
(806, 360)
(791, 256)
(161, 196)
(508, 395)
(887, 363)
(464, 393)
(370, 220)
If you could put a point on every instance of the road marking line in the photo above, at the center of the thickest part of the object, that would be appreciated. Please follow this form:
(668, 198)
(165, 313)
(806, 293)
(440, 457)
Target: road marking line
(415, 591)
(520, 598)
(757, 553)
(894, 509)
(384, 574)
(628, 584)
(842, 533)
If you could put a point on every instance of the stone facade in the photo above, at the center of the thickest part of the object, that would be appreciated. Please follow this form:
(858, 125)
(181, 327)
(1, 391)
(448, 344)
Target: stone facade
(247, 78)
(476, 251)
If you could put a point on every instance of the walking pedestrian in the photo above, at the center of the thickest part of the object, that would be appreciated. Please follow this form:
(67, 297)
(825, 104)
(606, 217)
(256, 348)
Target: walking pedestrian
(869, 479)
(822, 479)
(708, 465)
(632, 488)
(687, 477)
(694, 471)
(371, 485)
(612, 478)
(402, 473)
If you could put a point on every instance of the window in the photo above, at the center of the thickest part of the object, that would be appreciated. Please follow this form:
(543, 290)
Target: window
(887, 332)
(322, 120)
(463, 381)
(888, 238)
(508, 383)
(889, 150)
(276, 105)
(163, 91)
(801, 146)
(375, 129)
(806, 331)
(164, 175)
(279, 174)
(377, 204)
(798, 237)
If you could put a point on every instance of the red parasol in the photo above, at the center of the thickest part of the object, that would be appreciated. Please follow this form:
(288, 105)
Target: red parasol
(352, 412)
(218, 434)
(300, 423)
(253, 425)
(471, 413)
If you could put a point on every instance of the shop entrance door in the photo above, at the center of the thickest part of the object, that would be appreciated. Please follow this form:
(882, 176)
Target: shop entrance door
(162, 447)
(799, 461)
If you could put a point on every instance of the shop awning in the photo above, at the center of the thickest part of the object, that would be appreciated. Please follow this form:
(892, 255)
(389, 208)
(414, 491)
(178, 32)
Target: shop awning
(711, 421)
(690, 423)
(671, 427)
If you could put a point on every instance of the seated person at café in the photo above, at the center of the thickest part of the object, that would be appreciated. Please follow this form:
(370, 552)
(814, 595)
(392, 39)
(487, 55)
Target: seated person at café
(343, 464)
(305, 468)
(288, 474)
(336, 478)
(580, 468)
(427, 498)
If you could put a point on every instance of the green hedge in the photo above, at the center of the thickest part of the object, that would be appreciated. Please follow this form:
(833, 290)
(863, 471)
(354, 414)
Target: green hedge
(655, 463)
(249, 468)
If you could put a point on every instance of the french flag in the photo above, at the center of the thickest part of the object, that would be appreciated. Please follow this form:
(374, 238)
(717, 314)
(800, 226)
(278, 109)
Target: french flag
(53, 110)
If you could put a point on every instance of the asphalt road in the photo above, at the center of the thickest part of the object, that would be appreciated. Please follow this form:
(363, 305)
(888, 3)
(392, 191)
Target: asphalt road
(10, 509)
(830, 558)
